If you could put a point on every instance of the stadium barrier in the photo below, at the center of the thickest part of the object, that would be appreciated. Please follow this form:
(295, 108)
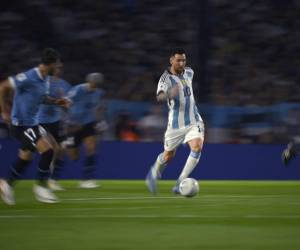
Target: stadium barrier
(215, 116)
(128, 160)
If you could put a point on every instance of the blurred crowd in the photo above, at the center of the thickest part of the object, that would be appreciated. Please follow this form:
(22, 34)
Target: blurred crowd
(250, 57)
(255, 52)
(127, 40)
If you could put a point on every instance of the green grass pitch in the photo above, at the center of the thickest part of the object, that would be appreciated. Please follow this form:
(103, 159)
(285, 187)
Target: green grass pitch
(123, 215)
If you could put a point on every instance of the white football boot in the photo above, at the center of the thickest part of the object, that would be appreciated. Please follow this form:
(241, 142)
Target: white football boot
(88, 184)
(7, 193)
(44, 194)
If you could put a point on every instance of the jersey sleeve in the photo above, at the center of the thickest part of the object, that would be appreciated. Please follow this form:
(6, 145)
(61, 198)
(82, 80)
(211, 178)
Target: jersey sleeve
(163, 84)
(19, 80)
(190, 72)
(67, 86)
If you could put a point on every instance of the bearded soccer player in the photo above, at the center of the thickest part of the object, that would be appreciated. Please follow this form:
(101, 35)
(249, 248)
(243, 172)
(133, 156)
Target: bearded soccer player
(185, 124)
(29, 92)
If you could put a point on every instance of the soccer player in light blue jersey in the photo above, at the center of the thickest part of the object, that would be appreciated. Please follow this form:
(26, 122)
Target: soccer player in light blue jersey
(29, 92)
(86, 102)
(51, 118)
(185, 124)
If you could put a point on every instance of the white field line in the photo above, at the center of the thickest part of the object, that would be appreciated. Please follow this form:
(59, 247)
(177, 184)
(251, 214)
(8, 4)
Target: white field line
(123, 198)
(87, 209)
(174, 197)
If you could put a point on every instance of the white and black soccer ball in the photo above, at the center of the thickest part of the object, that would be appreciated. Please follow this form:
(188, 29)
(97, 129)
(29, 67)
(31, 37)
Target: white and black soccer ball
(189, 187)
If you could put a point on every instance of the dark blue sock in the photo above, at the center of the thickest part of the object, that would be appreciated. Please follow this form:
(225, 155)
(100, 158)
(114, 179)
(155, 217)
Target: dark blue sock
(17, 169)
(44, 167)
(89, 168)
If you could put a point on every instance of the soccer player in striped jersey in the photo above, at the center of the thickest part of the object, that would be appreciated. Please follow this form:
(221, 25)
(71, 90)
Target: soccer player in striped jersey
(30, 91)
(185, 124)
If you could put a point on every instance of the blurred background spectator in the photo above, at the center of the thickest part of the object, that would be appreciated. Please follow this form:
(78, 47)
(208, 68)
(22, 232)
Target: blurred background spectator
(125, 128)
(153, 124)
(245, 55)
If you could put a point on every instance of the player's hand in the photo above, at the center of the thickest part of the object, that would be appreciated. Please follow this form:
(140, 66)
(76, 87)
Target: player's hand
(173, 91)
(101, 126)
(6, 117)
(63, 102)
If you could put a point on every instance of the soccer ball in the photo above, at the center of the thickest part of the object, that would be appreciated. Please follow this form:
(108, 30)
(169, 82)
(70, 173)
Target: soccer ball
(189, 187)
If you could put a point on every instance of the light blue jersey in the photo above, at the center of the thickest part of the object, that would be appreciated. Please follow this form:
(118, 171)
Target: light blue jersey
(48, 113)
(183, 111)
(84, 104)
(30, 91)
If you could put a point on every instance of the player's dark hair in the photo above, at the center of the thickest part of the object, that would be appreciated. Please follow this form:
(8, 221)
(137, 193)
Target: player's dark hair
(178, 50)
(49, 56)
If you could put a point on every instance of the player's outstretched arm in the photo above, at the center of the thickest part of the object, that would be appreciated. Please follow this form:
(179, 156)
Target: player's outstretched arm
(63, 102)
(170, 94)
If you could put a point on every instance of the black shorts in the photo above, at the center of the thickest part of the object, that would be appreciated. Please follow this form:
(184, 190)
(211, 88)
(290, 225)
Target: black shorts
(75, 139)
(28, 136)
(55, 129)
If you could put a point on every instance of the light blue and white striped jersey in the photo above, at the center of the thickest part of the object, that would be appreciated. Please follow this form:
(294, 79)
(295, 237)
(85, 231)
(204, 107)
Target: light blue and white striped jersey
(30, 92)
(183, 111)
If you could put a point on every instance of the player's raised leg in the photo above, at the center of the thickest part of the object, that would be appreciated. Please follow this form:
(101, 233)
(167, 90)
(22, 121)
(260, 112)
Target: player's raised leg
(156, 170)
(18, 167)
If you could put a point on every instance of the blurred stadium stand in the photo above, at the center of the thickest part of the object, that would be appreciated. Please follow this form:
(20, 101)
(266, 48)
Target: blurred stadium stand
(245, 55)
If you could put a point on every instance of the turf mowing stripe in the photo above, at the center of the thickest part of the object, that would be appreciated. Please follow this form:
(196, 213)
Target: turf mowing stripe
(151, 216)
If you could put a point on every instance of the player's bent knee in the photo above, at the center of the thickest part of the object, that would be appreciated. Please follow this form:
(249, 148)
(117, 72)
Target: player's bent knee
(44, 145)
(25, 155)
(196, 145)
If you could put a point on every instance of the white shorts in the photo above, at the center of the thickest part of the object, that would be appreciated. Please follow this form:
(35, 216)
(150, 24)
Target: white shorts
(175, 137)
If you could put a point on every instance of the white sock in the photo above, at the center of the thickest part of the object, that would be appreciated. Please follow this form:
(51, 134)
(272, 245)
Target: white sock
(189, 166)
(159, 166)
